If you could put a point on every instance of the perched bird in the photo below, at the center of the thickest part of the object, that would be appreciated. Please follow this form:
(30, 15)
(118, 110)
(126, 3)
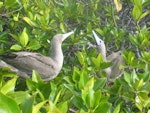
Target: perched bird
(47, 67)
(113, 72)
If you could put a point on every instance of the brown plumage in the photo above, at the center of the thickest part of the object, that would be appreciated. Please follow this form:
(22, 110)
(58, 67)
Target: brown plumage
(47, 67)
(113, 72)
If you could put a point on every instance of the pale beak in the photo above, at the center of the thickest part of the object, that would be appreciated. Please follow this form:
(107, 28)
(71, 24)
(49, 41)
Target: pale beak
(64, 36)
(98, 40)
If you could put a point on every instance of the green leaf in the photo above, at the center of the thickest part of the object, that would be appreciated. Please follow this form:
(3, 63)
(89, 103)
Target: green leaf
(83, 79)
(9, 86)
(97, 61)
(27, 106)
(89, 84)
(143, 15)
(34, 45)
(103, 108)
(117, 109)
(63, 107)
(31, 84)
(97, 97)
(134, 76)
(57, 97)
(1, 4)
(16, 17)
(127, 78)
(100, 83)
(28, 20)
(78, 102)
(72, 89)
(140, 84)
(138, 2)
(89, 27)
(37, 107)
(8, 105)
(10, 3)
(76, 74)
(136, 12)
(14, 36)
(20, 96)
(24, 38)
(36, 77)
(53, 94)
(63, 27)
(16, 47)
(81, 58)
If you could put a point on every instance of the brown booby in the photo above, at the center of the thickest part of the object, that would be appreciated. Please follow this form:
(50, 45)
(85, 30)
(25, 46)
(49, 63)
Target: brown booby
(114, 71)
(47, 67)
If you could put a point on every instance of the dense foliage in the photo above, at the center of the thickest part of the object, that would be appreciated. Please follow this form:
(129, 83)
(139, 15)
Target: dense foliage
(28, 25)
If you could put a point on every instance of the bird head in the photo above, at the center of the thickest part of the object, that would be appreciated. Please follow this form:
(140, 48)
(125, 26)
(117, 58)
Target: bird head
(100, 43)
(97, 39)
(61, 37)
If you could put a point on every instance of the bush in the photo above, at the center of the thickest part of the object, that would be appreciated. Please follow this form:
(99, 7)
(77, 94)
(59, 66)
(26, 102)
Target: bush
(27, 25)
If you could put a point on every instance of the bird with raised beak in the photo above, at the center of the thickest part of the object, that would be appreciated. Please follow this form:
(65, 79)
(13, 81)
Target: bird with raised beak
(47, 67)
(114, 71)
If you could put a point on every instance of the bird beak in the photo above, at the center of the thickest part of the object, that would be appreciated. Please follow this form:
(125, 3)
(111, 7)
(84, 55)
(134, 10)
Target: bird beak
(64, 36)
(98, 40)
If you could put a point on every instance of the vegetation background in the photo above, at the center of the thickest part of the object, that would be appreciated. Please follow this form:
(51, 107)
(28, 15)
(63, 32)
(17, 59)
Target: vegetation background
(27, 25)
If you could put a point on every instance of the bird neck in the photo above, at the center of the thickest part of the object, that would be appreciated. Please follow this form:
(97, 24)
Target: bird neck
(102, 51)
(57, 54)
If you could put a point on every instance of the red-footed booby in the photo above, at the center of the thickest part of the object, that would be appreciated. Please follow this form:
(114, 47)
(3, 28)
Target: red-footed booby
(113, 72)
(47, 67)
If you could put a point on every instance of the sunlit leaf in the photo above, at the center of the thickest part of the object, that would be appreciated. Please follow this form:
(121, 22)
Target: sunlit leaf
(8, 105)
(36, 77)
(10, 3)
(27, 106)
(9, 86)
(34, 45)
(63, 107)
(63, 28)
(127, 77)
(103, 108)
(117, 109)
(20, 96)
(24, 38)
(144, 14)
(16, 47)
(37, 107)
(1, 4)
(136, 12)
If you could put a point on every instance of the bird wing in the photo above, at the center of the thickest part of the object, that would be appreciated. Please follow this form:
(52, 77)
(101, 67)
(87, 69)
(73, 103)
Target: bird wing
(28, 61)
(116, 59)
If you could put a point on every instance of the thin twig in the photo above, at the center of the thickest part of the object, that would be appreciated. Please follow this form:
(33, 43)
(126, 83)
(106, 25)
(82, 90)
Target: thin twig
(11, 12)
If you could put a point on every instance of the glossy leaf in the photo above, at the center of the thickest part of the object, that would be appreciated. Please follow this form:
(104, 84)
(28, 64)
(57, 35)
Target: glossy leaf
(37, 107)
(103, 108)
(8, 105)
(36, 77)
(117, 109)
(24, 38)
(10, 3)
(9, 86)
(63, 107)
(137, 12)
(34, 45)
(20, 96)
(16, 47)
(27, 105)
(1, 4)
